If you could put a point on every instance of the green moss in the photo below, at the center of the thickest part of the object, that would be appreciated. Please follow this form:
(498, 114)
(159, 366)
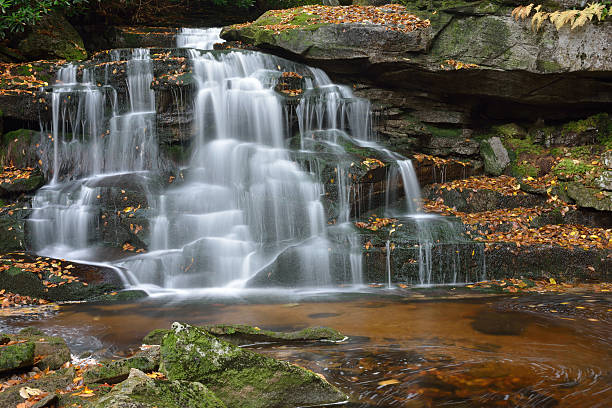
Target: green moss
(520, 146)
(571, 167)
(155, 336)
(16, 356)
(176, 394)
(443, 132)
(509, 130)
(524, 169)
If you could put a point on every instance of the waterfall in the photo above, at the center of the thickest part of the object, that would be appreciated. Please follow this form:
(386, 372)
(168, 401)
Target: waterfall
(253, 205)
(200, 38)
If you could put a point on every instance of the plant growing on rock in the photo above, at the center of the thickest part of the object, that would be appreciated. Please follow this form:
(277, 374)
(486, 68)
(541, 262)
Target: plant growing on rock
(574, 18)
(18, 14)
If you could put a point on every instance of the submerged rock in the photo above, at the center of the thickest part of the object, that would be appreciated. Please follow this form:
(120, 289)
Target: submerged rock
(240, 378)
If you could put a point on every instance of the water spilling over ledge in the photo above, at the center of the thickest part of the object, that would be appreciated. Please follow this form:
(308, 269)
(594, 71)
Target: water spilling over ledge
(191, 168)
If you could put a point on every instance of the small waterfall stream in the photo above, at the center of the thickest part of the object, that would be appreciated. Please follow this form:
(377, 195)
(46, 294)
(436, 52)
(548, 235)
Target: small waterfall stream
(244, 206)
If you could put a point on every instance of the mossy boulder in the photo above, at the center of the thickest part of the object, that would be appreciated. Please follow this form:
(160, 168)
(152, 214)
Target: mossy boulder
(51, 352)
(16, 356)
(140, 391)
(240, 378)
(112, 372)
(58, 380)
(53, 37)
(495, 156)
(588, 197)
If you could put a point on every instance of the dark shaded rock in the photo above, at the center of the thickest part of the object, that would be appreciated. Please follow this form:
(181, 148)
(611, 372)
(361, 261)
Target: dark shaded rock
(113, 372)
(240, 377)
(472, 201)
(18, 148)
(53, 37)
(13, 219)
(93, 281)
(22, 185)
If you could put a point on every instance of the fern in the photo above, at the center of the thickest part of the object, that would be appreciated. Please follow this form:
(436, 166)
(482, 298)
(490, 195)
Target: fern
(574, 18)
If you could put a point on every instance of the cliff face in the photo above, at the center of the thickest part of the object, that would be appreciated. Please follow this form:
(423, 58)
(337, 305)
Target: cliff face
(475, 55)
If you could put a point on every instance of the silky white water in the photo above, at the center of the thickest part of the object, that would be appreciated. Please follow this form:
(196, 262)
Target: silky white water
(244, 210)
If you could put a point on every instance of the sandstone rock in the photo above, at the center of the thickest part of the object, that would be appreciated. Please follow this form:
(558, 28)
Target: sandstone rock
(495, 156)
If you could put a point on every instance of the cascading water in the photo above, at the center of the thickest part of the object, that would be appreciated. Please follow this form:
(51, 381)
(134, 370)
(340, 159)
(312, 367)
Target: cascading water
(200, 38)
(245, 209)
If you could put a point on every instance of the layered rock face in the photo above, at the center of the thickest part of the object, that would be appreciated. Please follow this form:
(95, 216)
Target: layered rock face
(474, 55)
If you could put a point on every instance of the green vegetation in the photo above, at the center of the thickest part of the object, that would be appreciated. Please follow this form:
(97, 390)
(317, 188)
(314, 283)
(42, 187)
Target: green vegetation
(18, 14)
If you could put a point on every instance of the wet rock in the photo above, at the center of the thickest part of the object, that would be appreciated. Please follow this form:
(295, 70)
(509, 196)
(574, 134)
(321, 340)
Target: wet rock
(53, 37)
(18, 148)
(495, 156)
(240, 377)
(13, 219)
(242, 334)
(140, 391)
(22, 185)
(113, 372)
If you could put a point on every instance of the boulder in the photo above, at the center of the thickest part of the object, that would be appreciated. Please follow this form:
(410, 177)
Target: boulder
(240, 377)
(589, 197)
(495, 156)
(16, 356)
(53, 37)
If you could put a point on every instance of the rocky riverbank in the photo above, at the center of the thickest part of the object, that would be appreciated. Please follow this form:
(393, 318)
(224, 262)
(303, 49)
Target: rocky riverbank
(183, 366)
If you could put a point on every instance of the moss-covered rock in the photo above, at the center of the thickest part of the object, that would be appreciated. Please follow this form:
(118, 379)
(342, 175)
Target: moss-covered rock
(58, 380)
(16, 356)
(53, 37)
(51, 352)
(240, 334)
(140, 391)
(240, 377)
(589, 197)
